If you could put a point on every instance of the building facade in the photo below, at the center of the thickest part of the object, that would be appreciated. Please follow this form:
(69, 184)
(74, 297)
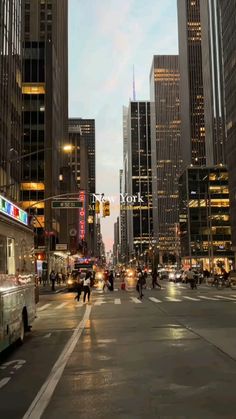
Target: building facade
(45, 111)
(10, 97)
(228, 12)
(213, 85)
(165, 147)
(139, 181)
(193, 147)
(205, 232)
(87, 129)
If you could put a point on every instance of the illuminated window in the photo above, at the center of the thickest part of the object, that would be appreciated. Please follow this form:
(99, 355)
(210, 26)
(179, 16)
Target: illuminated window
(32, 186)
(33, 88)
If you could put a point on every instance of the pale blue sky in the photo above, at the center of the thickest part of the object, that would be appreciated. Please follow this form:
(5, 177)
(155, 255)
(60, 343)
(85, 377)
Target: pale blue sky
(106, 38)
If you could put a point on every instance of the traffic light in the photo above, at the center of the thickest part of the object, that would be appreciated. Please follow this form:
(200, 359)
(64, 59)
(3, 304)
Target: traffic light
(106, 209)
(97, 207)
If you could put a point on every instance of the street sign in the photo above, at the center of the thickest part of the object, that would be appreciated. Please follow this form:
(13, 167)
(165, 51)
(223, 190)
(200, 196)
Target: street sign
(61, 246)
(63, 204)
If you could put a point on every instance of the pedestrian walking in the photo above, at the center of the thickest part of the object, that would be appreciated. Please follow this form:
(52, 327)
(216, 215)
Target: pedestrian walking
(191, 278)
(140, 280)
(111, 280)
(87, 283)
(53, 279)
(154, 278)
(79, 289)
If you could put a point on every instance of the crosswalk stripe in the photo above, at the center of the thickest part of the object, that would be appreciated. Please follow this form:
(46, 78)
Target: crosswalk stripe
(44, 307)
(191, 298)
(62, 305)
(155, 300)
(136, 300)
(233, 295)
(224, 298)
(208, 298)
(117, 301)
(176, 300)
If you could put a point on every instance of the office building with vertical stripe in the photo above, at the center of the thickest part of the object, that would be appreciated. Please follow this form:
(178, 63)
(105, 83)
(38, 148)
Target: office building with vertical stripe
(165, 147)
(228, 13)
(192, 116)
(10, 97)
(213, 84)
(45, 110)
(139, 213)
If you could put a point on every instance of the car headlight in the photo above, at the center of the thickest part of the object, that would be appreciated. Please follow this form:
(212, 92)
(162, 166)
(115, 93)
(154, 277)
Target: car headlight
(171, 276)
(70, 282)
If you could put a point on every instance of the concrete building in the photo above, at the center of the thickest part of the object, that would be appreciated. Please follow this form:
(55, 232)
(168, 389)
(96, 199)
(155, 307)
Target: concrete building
(165, 150)
(205, 232)
(45, 111)
(228, 13)
(138, 175)
(10, 97)
(193, 146)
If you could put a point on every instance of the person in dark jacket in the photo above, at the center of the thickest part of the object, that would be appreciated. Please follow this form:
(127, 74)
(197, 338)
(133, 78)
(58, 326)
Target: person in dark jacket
(111, 280)
(154, 279)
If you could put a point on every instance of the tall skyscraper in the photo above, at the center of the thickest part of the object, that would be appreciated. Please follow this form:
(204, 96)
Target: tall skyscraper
(45, 107)
(139, 184)
(228, 13)
(79, 163)
(212, 67)
(87, 127)
(10, 96)
(165, 147)
(191, 83)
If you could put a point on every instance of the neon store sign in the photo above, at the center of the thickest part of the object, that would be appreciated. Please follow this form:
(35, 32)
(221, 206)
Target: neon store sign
(12, 211)
(82, 216)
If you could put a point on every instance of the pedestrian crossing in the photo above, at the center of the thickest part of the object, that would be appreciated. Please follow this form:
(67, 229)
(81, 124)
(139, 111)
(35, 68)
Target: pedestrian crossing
(105, 300)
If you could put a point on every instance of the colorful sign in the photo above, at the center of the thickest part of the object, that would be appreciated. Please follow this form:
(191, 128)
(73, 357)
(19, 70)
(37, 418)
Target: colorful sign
(82, 218)
(11, 210)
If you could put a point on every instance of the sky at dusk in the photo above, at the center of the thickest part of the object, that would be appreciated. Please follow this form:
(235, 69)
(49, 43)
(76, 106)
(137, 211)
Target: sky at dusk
(106, 38)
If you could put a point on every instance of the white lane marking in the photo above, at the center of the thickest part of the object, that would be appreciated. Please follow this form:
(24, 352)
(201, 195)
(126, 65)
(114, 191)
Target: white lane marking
(233, 295)
(176, 300)
(155, 300)
(224, 298)
(136, 300)
(117, 301)
(208, 298)
(99, 302)
(48, 335)
(62, 305)
(191, 298)
(4, 381)
(19, 363)
(44, 395)
(44, 307)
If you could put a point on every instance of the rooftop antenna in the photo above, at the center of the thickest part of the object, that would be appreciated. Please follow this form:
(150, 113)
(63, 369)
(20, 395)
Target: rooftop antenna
(134, 92)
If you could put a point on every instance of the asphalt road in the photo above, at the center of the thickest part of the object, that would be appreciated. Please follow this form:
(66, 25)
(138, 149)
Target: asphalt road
(173, 355)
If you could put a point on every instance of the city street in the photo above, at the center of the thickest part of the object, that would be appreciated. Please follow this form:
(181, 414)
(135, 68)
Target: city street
(171, 355)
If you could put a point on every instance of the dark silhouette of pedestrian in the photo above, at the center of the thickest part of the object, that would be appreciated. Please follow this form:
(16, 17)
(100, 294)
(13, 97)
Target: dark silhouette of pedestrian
(87, 283)
(53, 279)
(111, 280)
(154, 279)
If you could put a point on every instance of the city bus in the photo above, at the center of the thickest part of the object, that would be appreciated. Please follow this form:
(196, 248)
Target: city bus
(17, 274)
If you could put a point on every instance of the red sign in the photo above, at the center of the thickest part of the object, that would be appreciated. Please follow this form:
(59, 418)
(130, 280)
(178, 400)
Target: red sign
(82, 217)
